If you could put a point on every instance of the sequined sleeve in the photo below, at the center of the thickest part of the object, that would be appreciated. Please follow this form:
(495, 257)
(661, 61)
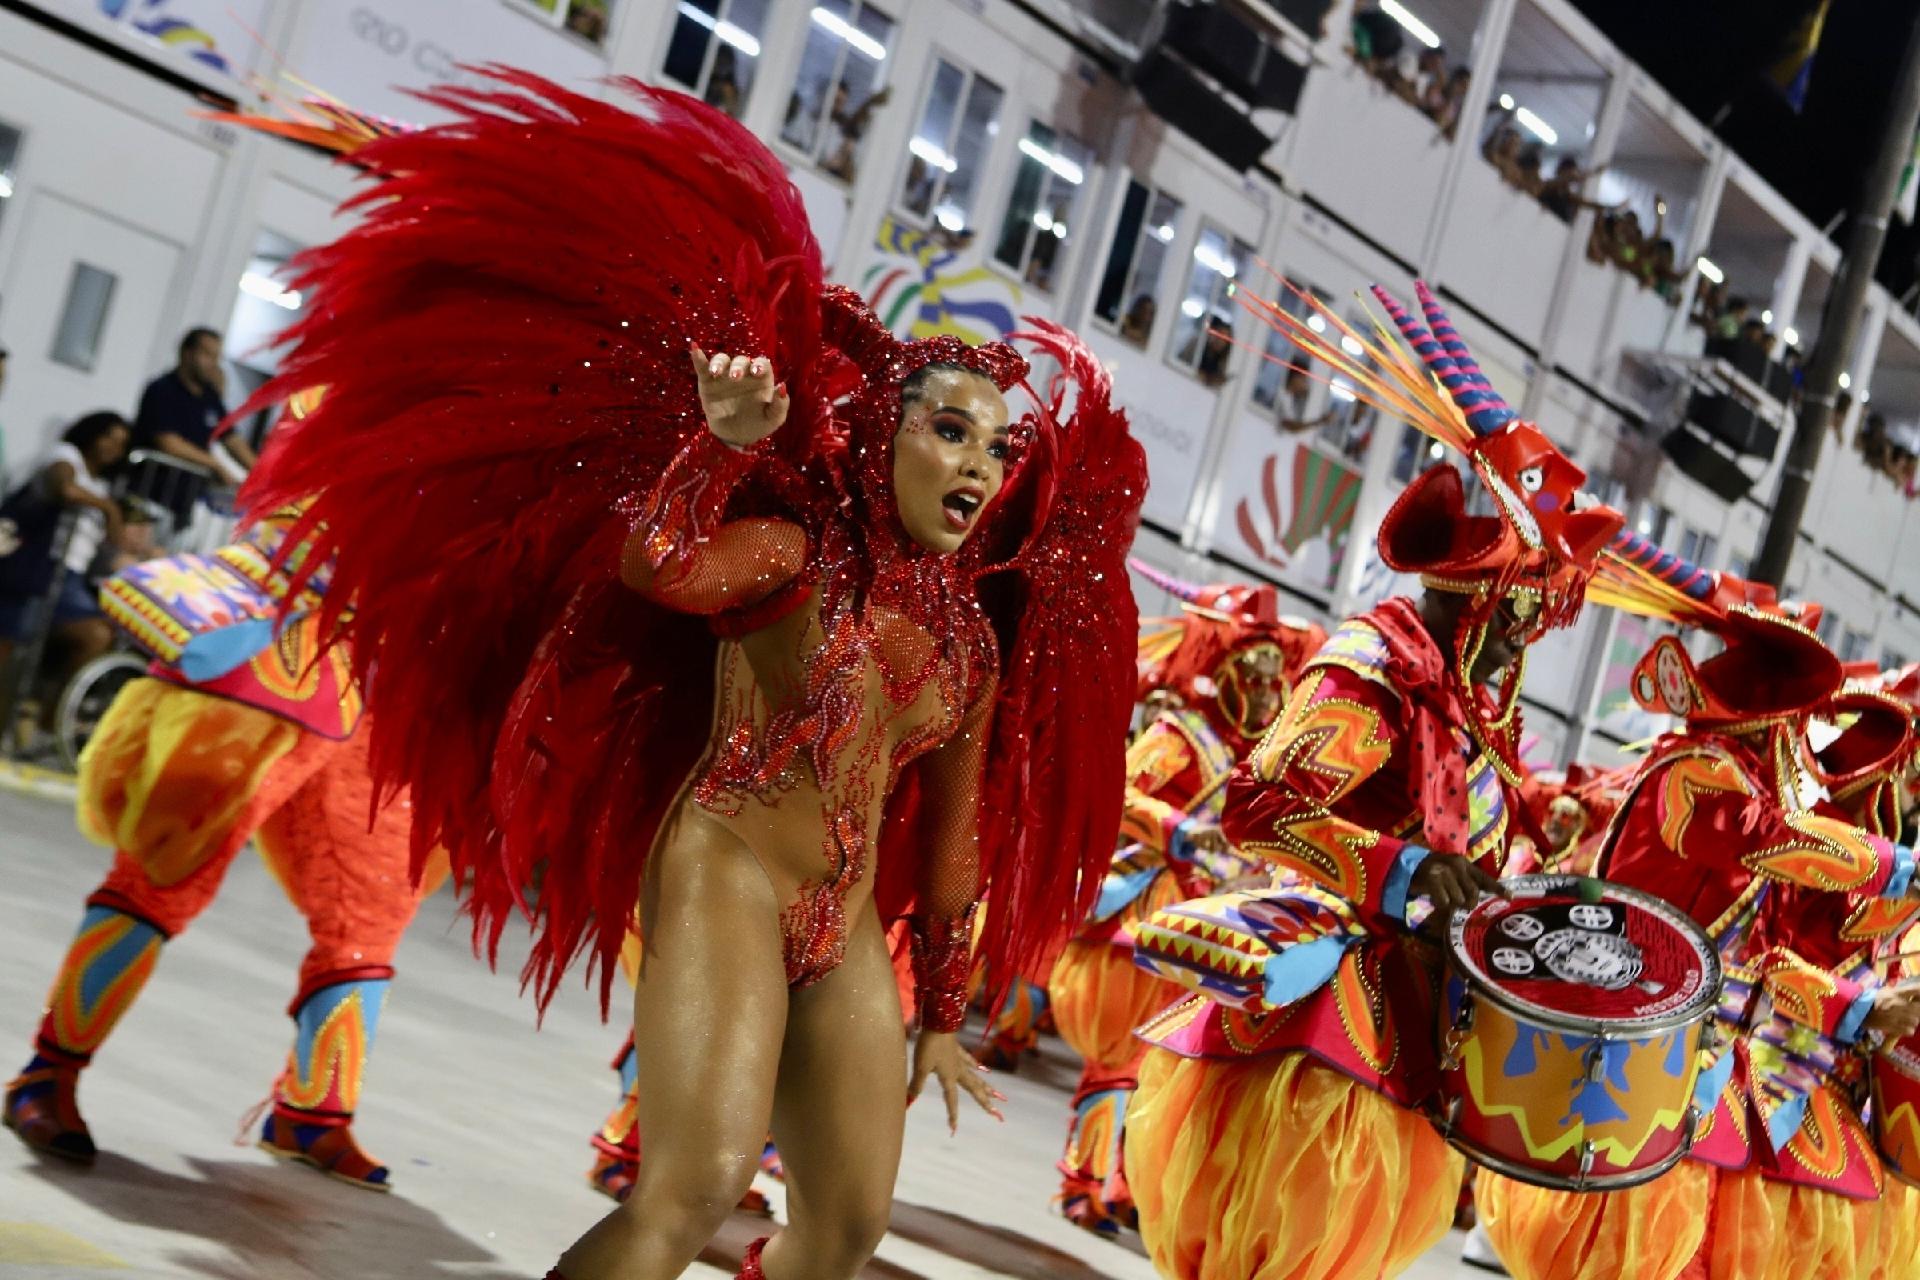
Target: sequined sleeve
(1158, 761)
(1709, 812)
(683, 553)
(950, 869)
(1300, 800)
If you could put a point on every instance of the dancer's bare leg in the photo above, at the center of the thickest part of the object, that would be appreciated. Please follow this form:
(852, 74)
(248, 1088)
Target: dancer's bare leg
(839, 1113)
(709, 1013)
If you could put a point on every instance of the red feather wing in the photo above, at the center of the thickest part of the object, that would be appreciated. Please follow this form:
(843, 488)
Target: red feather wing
(1055, 782)
(503, 339)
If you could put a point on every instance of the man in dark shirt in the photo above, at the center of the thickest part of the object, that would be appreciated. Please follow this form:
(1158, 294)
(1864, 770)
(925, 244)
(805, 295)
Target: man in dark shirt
(181, 410)
(180, 415)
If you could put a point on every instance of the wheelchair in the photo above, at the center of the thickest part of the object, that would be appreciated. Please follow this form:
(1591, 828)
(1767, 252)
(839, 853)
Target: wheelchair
(165, 487)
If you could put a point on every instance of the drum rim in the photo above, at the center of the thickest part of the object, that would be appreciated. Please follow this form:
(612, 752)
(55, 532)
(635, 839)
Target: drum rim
(1699, 1009)
(1507, 1167)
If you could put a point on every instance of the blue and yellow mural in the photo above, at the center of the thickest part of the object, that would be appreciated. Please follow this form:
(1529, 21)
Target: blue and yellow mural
(919, 288)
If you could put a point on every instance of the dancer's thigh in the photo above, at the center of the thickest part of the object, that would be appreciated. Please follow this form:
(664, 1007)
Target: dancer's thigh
(841, 1104)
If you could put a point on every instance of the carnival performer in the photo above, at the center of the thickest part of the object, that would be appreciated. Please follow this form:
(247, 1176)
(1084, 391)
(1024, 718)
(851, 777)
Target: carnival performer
(1223, 666)
(1714, 823)
(1572, 808)
(634, 481)
(242, 733)
(1882, 799)
(1277, 1132)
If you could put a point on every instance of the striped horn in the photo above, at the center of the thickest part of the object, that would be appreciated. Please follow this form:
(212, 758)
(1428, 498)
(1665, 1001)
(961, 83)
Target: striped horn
(1486, 411)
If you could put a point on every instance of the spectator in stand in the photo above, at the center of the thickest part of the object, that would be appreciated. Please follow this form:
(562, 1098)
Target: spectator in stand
(588, 19)
(1137, 325)
(1876, 450)
(1297, 396)
(1629, 242)
(1429, 79)
(1527, 171)
(1213, 346)
(74, 478)
(1453, 98)
(1502, 151)
(1708, 304)
(1838, 422)
(850, 125)
(1378, 40)
(1731, 319)
(1561, 194)
(723, 83)
(1659, 273)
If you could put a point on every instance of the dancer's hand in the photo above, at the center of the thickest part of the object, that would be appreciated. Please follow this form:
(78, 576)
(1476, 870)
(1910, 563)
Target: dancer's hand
(1896, 1012)
(1452, 882)
(742, 402)
(938, 1054)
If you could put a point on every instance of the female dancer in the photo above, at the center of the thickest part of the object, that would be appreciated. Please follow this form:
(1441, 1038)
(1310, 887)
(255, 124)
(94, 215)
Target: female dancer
(903, 615)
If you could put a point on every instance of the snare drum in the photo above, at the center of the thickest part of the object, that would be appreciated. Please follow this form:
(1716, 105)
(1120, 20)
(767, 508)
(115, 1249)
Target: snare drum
(1570, 1033)
(1896, 1108)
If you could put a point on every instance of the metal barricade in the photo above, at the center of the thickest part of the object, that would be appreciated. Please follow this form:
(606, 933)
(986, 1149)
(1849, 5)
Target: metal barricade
(199, 515)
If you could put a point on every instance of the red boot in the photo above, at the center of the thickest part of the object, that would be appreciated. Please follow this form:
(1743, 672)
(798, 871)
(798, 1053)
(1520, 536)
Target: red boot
(315, 1097)
(750, 1265)
(43, 1107)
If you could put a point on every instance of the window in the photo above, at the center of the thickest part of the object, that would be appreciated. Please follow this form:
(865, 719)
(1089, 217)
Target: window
(1829, 629)
(1043, 205)
(76, 341)
(9, 153)
(949, 146)
(1130, 287)
(838, 86)
(1347, 426)
(1697, 547)
(587, 19)
(715, 49)
(1206, 312)
(1414, 454)
(1737, 565)
(1274, 385)
(1892, 660)
(1854, 645)
(1653, 521)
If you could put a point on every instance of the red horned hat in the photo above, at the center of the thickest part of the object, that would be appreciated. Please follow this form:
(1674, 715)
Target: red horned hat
(1772, 666)
(1193, 655)
(1541, 543)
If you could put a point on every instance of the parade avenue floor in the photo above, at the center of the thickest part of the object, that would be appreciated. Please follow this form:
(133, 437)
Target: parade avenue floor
(483, 1119)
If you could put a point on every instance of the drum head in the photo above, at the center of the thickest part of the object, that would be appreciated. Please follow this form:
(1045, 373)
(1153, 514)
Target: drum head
(1569, 951)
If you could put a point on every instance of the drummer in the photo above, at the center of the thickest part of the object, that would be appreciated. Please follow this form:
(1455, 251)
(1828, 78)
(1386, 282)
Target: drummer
(1710, 825)
(1278, 1130)
(1867, 770)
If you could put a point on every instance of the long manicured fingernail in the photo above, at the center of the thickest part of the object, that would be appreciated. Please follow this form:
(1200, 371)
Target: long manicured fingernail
(997, 1094)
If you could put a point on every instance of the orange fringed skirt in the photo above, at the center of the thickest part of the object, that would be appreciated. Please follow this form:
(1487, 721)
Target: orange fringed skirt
(1649, 1232)
(1279, 1168)
(1896, 1237)
(1099, 995)
(1765, 1230)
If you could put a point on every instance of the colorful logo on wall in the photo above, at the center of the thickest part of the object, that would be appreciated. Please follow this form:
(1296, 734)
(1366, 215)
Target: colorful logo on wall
(919, 289)
(160, 20)
(1319, 505)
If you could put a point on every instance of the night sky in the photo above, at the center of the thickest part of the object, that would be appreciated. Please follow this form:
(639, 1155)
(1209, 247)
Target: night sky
(1714, 55)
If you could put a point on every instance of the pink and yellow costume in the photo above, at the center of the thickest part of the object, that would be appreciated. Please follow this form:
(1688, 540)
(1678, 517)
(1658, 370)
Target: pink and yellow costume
(180, 774)
(1782, 1179)
(1277, 1134)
